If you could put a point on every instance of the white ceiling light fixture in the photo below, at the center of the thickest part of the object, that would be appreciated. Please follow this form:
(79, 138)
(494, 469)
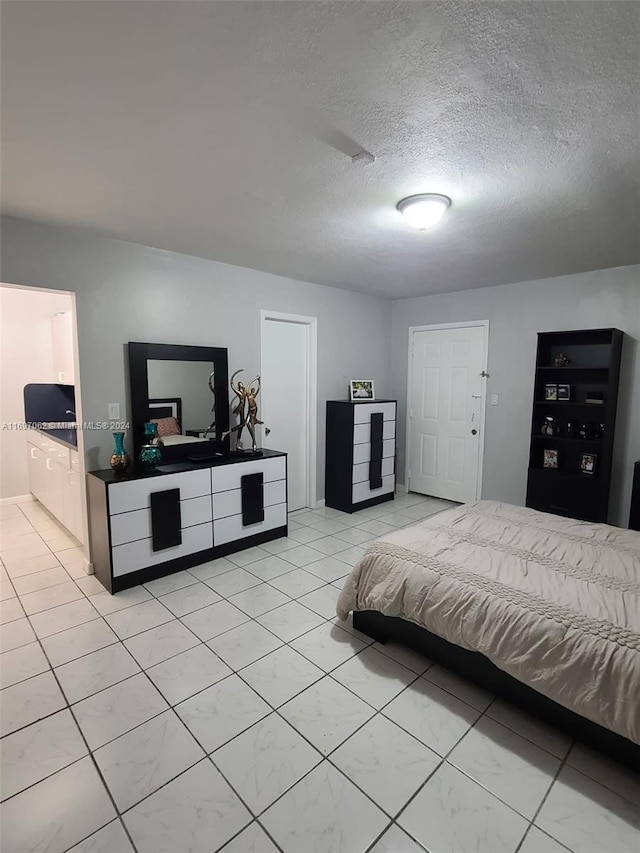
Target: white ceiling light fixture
(424, 210)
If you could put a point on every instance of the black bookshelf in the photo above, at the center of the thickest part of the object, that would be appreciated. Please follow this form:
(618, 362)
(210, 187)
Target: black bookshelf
(580, 429)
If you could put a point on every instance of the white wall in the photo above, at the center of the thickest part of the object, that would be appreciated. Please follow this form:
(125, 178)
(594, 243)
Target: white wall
(125, 292)
(601, 299)
(26, 355)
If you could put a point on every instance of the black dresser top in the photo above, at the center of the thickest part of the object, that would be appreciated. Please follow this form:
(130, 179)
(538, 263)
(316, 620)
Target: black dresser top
(107, 475)
(360, 402)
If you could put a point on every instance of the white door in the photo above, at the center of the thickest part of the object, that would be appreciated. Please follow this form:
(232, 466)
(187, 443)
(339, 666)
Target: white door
(446, 411)
(285, 399)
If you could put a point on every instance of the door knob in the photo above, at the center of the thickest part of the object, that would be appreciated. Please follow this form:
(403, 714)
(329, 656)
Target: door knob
(474, 432)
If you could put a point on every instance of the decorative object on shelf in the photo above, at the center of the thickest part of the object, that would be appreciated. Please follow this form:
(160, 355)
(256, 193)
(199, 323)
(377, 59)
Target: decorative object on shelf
(584, 430)
(570, 429)
(561, 361)
(548, 427)
(599, 432)
(247, 410)
(564, 392)
(550, 459)
(361, 389)
(119, 460)
(595, 398)
(551, 391)
(588, 463)
(151, 452)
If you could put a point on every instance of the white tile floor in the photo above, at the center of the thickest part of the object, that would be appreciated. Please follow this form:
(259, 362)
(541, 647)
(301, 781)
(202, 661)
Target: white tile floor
(226, 708)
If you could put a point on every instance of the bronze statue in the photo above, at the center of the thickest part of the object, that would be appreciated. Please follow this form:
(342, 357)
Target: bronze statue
(247, 410)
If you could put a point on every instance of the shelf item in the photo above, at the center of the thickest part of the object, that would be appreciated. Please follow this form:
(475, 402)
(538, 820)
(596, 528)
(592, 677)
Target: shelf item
(149, 524)
(360, 454)
(570, 474)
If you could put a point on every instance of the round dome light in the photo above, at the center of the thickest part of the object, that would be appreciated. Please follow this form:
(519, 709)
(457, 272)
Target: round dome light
(424, 210)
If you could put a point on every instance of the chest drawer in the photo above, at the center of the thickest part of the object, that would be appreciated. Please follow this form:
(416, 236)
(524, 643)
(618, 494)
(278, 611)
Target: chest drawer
(130, 526)
(135, 494)
(227, 477)
(362, 452)
(362, 412)
(362, 432)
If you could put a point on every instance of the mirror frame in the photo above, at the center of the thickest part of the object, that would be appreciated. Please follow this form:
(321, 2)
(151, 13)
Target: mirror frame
(139, 354)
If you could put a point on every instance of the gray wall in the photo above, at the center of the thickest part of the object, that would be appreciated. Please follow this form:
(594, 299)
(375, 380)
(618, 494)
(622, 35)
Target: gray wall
(601, 299)
(125, 292)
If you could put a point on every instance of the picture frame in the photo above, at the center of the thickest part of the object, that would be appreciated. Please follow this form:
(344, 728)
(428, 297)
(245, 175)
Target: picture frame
(564, 392)
(550, 458)
(588, 463)
(551, 392)
(361, 389)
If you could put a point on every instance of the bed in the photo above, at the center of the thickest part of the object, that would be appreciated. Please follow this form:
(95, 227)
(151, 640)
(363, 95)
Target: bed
(541, 609)
(167, 413)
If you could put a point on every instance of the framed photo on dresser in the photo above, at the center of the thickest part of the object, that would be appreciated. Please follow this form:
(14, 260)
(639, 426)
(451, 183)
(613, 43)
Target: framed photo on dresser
(361, 389)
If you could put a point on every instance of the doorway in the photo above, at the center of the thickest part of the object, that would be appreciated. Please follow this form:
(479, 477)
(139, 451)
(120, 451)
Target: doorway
(41, 448)
(289, 399)
(446, 392)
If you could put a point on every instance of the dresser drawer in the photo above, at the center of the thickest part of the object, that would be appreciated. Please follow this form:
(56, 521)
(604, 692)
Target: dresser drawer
(361, 472)
(362, 452)
(231, 528)
(362, 412)
(135, 494)
(130, 526)
(362, 492)
(139, 555)
(227, 477)
(362, 432)
(230, 503)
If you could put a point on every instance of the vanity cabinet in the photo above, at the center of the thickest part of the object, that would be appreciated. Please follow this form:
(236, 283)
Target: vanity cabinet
(146, 525)
(360, 454)
(55, 480)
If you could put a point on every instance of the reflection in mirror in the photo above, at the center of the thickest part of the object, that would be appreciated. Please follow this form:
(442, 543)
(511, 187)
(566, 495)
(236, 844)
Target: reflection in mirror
(181, 399)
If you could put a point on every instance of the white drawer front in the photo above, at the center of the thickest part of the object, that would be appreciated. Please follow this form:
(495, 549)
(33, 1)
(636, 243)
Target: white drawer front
(361, 472)
(130, 526)
(362, 452)
(362, 492)
(125, 497)
(362, 432)
(227, 477)
(230, 503)
(231, 529)
(363, 411)
(138, 555)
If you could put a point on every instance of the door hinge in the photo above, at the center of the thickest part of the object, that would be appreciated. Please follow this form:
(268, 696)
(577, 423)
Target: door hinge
(484, 374)
(409, 474)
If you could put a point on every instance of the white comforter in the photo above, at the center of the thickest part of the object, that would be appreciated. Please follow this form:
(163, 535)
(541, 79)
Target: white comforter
(553, 601)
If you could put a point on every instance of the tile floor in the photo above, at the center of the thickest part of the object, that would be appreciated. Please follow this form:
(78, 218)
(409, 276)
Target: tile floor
(226, 708)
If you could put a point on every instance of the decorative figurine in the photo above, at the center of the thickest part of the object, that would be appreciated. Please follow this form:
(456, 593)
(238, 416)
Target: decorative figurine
(561, 361)
(247, 410)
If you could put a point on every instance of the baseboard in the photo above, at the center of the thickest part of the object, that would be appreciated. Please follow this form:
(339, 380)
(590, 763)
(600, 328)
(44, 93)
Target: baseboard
(401, 489)
(18, 499)
(318, 504)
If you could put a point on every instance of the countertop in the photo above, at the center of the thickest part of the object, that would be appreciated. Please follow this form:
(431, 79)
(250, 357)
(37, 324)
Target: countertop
(68, 437)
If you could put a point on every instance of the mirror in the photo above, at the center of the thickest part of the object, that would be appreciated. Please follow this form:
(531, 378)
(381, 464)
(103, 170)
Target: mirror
(184, 389)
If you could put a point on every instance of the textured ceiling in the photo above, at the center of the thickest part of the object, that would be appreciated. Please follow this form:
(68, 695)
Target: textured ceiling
(226, 130)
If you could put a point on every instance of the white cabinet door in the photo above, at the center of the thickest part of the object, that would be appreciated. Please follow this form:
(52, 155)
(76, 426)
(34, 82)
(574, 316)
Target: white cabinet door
(37, 471)
(62, 340)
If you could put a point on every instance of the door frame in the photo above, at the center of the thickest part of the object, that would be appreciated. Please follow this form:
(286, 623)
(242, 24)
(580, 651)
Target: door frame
(440, 327)
(311, 408)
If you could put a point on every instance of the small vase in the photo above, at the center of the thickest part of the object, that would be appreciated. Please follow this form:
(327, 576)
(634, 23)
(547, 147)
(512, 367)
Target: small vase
(151, 454)
(119, 460)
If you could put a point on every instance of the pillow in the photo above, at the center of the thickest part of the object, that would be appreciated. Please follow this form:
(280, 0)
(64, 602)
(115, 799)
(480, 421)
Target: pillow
(166, 426)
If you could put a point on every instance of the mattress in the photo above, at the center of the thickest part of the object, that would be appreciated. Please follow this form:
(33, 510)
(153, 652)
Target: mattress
(554, 602)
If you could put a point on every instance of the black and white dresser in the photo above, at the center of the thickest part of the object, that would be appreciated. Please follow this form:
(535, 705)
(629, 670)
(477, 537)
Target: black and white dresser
(360, 454)
(149, 524)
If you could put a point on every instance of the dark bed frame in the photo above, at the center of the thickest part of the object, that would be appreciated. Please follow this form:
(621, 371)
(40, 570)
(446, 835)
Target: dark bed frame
(477, 668)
